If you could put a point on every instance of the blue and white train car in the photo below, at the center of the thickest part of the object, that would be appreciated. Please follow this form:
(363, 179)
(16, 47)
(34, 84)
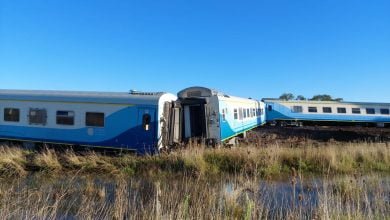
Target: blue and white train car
(327, 111)
(215, 116)
(133, 121)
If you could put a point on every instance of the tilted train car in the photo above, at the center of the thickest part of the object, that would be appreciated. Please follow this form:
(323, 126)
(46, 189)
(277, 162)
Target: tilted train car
(131, 121)
(214, 116)
(298, 112)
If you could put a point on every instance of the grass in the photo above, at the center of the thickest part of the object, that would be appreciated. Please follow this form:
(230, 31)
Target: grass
(271, 161)
(199, 183)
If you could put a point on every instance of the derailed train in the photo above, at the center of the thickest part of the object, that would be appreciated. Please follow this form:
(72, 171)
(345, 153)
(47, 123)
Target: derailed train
(147, 122)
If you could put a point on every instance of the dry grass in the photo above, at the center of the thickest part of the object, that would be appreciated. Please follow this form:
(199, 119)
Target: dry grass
(271, 161)
(327, 159)
(47, 160)
(12, 161)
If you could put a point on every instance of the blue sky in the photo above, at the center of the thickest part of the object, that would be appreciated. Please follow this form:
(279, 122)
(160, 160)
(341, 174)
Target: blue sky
(244, 48)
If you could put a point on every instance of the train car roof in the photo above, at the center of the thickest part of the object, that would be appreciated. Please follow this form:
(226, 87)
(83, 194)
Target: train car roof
(322, 102)
(203, 92)
(132, 97)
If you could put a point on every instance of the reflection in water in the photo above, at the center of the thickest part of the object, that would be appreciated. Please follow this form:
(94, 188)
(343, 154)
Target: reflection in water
(187, 197)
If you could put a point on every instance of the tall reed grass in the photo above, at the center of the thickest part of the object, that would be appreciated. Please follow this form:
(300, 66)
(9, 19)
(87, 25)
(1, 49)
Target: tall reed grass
(275, 160)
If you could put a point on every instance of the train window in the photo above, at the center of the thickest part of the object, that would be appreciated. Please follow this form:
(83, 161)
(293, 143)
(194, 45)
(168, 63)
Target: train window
(248, 113)
(297, 109)
(384, 111)
(94, 119)
(37, 116)
(146, 122)
(65, 118)
(326, 109)
(240, 114)
(341, 110)
(244, 112)
(253, 112)
(312, 109)
(261, 111)
(370, 111)
(235, 114)
(223, 115)
(270, 108)
(11, 114)
(355, 110)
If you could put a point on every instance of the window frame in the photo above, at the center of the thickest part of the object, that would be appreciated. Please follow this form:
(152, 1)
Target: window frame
(146, 121)
(223, 115)
(312, 109)
(370, 111)
(6, 119)
(356, 111)
(95, 124)
(384, 111)
(65, 117)
(325, 111)
(235, 114)
(35, 114)
(341, 112)
(297, 109)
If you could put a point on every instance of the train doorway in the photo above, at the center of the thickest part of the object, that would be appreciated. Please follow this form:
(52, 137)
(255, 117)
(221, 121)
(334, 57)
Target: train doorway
(194, 120)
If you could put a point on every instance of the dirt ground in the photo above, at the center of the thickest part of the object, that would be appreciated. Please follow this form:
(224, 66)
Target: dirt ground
(295, 136)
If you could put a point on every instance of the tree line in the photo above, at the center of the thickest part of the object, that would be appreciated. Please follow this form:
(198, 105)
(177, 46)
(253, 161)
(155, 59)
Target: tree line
(321, 97)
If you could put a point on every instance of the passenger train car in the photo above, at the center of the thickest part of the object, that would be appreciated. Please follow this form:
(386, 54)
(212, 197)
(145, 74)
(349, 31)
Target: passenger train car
(144, 122)
(116, 120)
(298, 112)
(214, 116)
(147, 122)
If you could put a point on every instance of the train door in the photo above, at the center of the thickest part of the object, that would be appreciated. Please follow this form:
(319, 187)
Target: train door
(147, 127)
(213, 119)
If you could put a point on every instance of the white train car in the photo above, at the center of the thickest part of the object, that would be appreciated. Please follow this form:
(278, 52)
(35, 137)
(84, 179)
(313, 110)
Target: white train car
(217, 117)
(327, 111)
(133, 121)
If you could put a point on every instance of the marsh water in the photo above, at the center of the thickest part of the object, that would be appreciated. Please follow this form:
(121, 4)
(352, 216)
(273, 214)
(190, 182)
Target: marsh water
(177, 197)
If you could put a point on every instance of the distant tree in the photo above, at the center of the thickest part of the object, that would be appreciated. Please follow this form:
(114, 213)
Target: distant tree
(322, 98)
(300, 97)
(287, 96)
(325, 97)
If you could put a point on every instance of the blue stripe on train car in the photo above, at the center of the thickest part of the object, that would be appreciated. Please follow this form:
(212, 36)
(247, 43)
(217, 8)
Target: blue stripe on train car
(228, 131)
(122, 130)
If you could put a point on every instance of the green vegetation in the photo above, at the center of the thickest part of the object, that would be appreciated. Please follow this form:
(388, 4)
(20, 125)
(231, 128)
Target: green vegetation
(199, 183)
(287, 96)
(322, 97)
(272, 161)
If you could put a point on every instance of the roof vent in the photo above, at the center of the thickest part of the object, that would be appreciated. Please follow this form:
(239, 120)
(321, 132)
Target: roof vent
(135, 92)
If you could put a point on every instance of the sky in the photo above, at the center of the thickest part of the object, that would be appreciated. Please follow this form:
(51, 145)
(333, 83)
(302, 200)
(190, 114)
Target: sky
(243, 48)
